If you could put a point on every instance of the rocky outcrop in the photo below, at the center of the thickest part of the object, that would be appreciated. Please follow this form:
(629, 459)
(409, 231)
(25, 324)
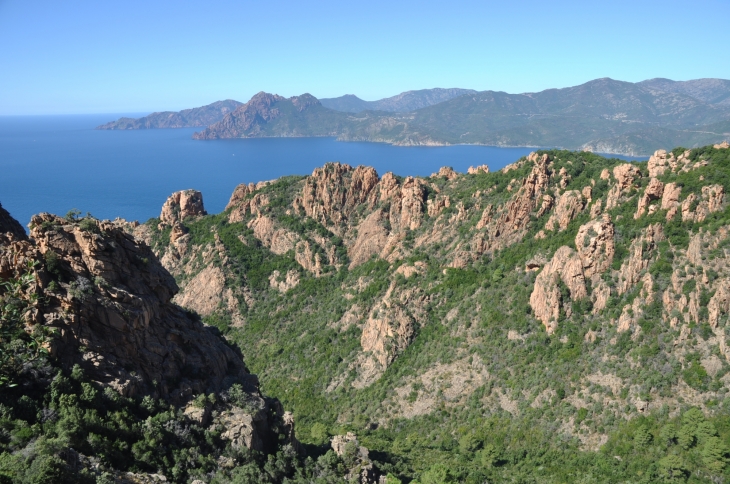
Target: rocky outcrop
(357, 458)
(243, 429)
(596, 247)
(662, 162)
(203, 294)
(624, 175)
(722, 146)
(435, 206)
(446, 172)
(670, 199)
(182, 204)
(696, 209)
(546, 298)
(659, 163)
(641, 254)
(474, 170)
(372, 237)
(568, 206)
(719, 304)
(277, 239)
(252, 206)
(331, 194)
(335, 194)
(509, 223)
(284, 284)
(387, 332)
(595, 250)
(110, 302)
(631, 313)
(307, 258)
(654, 191)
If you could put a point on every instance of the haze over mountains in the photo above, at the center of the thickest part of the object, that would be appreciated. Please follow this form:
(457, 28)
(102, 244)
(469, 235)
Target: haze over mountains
(602, 115)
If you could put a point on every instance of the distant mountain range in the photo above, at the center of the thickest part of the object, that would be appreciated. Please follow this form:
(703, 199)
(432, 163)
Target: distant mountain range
(402, 103)
(603, 115)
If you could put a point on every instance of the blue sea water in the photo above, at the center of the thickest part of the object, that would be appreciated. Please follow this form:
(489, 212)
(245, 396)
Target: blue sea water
(56, 163)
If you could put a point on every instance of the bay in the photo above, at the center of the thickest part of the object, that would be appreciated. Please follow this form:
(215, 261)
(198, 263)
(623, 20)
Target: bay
(56, 163)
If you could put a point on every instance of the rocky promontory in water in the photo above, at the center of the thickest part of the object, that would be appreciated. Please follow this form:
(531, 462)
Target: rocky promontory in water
(564, 319)
(187, 118)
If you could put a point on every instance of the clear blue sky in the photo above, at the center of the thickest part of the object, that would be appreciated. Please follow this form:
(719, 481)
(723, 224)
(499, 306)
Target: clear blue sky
(77, 56)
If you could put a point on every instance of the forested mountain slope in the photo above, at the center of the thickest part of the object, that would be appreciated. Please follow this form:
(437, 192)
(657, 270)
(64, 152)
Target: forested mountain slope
(561, 320)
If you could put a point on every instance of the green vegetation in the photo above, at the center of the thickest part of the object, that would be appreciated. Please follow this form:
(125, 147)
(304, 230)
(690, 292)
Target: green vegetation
(476, 392)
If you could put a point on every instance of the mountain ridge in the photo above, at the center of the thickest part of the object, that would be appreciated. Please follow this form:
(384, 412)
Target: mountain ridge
(614, 116)
(403, 102)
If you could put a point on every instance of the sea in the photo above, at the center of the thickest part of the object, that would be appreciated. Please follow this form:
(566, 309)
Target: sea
(58, 163)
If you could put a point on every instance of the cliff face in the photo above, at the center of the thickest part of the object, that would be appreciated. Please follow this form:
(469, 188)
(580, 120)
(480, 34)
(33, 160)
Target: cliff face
(109, 300)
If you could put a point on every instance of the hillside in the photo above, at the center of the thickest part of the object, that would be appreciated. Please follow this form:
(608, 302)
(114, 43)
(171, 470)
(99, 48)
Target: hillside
(561, 320)
(187, 118)
(712, 91)
(564, 319)
(614, 113)
(104, 380)
(400, 103)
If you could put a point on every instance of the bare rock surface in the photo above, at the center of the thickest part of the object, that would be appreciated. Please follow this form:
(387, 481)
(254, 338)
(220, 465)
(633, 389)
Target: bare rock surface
(624, 175)
(641, 253)
(654, 191)
(595, 245)
(182, 204)
(568, 206)
(546, 299)
(115, 317)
